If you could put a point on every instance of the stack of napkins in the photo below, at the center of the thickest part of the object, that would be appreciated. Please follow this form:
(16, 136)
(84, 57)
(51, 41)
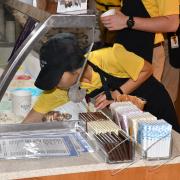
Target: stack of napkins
(134, 119)
(120, 112)
(120, 105)
(155, 138)
(123, 118)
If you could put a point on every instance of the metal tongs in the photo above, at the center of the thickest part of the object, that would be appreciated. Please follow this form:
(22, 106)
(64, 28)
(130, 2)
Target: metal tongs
(75, 93)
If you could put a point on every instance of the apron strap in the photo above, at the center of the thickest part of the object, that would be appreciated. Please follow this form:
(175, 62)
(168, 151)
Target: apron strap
(103, 80)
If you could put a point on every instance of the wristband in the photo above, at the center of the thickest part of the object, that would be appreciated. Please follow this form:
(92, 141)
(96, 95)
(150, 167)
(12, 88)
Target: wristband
(130, 22)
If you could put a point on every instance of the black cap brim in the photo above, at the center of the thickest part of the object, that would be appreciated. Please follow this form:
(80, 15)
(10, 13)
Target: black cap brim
(48, 79)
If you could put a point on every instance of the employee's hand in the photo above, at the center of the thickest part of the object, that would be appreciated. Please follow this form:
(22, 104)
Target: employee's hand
(115, 22)
(101, 101)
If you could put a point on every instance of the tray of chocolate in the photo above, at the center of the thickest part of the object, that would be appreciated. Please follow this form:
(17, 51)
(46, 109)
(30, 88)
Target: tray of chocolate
(97, 122)
(93, 116)
(115, 148)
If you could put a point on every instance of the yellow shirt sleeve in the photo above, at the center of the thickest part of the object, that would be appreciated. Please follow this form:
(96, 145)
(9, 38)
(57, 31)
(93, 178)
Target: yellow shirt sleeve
(161, 8)
(118, 61)
(168, 7)
(130, 62)
(50, 100)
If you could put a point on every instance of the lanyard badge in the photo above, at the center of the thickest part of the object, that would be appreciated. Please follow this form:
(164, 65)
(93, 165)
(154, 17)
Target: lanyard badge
(174, 41)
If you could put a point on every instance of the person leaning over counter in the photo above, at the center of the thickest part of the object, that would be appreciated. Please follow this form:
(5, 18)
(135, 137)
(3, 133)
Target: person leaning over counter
(61, 62)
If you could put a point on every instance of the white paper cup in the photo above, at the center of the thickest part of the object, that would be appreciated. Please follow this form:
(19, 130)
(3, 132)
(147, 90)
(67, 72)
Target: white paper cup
(109, 13)
(21, 102)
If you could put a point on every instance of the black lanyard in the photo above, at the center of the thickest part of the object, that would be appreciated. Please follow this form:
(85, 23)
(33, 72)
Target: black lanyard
(109, 82)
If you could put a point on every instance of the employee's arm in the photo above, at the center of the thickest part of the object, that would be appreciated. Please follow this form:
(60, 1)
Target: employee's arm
(161, 24)
(127, 87)
(33, 117)
(46, 102)
(132, 85)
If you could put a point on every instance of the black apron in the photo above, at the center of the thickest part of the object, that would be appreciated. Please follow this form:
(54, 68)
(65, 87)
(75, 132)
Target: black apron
(139, 42)
(158, 100)
(109, 82)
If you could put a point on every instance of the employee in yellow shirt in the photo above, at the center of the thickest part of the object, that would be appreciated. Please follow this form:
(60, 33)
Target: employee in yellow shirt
(137, 20)
(110, 71)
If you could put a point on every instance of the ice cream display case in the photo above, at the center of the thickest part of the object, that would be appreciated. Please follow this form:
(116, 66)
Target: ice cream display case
(23, 67)
(18, 93)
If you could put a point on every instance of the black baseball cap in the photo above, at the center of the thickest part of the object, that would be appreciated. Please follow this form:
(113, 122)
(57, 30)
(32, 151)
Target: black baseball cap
(59, 54)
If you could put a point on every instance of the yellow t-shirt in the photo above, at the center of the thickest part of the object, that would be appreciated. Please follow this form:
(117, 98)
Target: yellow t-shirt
(161, 8)
(49, 100)
(115, 60)
(154, 7)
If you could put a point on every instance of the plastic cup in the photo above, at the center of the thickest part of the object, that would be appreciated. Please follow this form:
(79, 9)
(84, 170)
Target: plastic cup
(109, 13)
(21, 102)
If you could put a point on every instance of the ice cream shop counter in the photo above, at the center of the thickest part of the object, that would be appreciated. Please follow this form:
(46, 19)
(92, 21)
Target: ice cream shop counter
(77, 155)
(75, 141)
